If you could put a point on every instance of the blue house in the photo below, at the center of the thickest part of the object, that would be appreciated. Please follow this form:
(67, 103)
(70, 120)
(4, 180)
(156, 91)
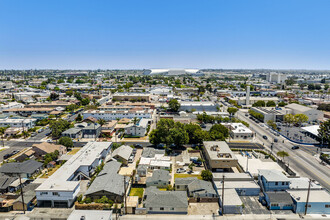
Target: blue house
(278, 200)
(273, 180)
(318, 202)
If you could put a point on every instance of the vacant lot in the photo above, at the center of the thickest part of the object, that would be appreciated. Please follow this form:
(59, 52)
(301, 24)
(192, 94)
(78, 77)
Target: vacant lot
(201, 208)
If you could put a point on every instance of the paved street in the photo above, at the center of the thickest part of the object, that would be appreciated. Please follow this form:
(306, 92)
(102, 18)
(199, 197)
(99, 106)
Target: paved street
(301, 160)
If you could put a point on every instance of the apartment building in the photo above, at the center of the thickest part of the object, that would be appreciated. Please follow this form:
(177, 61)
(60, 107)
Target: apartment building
(114, 115)
(219, 156)
(62, 188)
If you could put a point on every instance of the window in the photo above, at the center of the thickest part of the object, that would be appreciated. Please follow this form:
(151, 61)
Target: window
(283, 183)
(276, 183)
(150, 208)
(274, 204)
(161, 208)
(55, 194)
(172, 208)
(327, 206)
(43, 193)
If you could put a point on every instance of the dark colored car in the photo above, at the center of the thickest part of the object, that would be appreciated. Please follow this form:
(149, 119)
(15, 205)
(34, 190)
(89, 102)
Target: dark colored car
(6, 156)
(295, 147)
(265, 137)
(275, 140)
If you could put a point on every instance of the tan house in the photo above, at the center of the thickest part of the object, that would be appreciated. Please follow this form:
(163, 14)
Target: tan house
(219, 156)
(46, 148)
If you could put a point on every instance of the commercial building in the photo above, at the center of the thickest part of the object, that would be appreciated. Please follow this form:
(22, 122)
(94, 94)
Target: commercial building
(273, 180)
(219, 156)
(62, 188)
(11, 105)
(18, 123)
(114, 115)
(239, 131)
(278, 78)
(271, 113)
(253, 99)
(198, 106)
(318, 201)
(28, 111)
(173, 72)
(311, 113)
(130, 96)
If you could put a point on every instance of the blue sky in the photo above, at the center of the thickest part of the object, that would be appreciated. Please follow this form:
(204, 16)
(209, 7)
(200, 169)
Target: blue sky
(128, 34)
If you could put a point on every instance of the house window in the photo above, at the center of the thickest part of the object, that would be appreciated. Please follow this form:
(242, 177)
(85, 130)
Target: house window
(283, 183)
(172, 209)
(274, 204)
(150, 208)
(276, 183)
(178, 187)
(327, 206)
(55, 194)
(43, 193)
(161, 208)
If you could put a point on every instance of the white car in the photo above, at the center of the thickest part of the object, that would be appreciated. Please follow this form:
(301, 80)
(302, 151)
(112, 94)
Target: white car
(180, 170)
(50, 141)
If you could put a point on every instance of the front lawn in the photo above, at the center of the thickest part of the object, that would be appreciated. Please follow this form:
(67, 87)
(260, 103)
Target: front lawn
(183, 175)
(137, 192)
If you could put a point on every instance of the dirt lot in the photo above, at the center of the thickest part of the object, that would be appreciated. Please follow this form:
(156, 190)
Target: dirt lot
(207, 208)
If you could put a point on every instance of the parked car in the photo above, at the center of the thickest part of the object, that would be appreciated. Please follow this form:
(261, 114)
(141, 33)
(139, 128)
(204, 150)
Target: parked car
(246, 114)
(265, 137)
(40, 130)
(275, 140)
(180, 170)
(131, 159)
(6, 156)
(295, 147)
(134, 150)
(50, 141)
(33, 134)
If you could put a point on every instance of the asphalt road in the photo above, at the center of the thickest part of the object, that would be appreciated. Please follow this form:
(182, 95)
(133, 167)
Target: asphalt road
(301, 160)
(40, 136)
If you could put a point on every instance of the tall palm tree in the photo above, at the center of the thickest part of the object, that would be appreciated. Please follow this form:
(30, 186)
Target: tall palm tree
(135, 121)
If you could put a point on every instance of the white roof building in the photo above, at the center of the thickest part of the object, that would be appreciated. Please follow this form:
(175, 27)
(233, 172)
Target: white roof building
(61, 188)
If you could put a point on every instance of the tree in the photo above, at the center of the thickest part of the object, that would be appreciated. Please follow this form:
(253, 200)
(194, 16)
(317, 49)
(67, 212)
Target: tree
(174, 105)
(85, 101)
(282, 104)
(218, 132)
(66, 141)
(79, 117)
(53, 96)
(271, 104)
(207, 175)
(2, 132)
(324, 132)
(232, 110)
(195, 133)
(283, 154)
(301, 118)
(58, 126)
(259, 103)
(289, 119)
(101, 121)
(191, 166)
(272, 124)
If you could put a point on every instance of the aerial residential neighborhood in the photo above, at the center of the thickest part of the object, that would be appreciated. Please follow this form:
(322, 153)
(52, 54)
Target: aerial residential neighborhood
(181, 152)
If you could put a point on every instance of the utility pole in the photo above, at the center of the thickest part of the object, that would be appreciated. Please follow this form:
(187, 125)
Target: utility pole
(309, 188)
(223, 194)
(125, 199)
(247, 163)
(20, 183)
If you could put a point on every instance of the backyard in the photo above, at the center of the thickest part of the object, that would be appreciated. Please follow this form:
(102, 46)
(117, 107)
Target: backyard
(137, 192)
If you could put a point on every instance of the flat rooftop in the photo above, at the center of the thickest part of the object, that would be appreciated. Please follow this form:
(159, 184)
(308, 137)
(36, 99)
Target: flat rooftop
(60, 180)
(314, 196)
(218, 150)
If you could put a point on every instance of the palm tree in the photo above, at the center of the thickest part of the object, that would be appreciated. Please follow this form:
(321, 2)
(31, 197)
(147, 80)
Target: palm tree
(101, 121)
(135, 121)
(2, 132)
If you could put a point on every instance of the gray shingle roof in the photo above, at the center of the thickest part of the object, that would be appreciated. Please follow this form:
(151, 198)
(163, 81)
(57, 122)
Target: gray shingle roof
(157, 175)
(108, 180)
(29, 167)
(156, 198)
(280, 197)
(150, 152)
(124, 151)
(196, 185)
(5, 181)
